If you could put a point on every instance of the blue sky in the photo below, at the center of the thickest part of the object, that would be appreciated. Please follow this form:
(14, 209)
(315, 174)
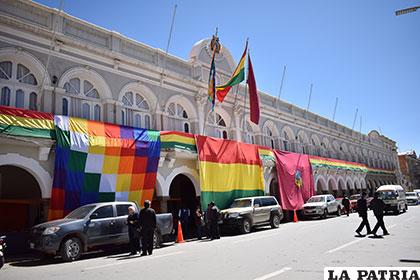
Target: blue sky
(356, 50)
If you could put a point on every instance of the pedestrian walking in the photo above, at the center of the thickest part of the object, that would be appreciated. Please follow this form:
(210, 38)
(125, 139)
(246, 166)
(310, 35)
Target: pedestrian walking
(378, 207)
(346, 204)
(362, 209)
(184, 216)
(207, 220)
(214, 221)
(199, 223)
(147, 221)
(133, 230)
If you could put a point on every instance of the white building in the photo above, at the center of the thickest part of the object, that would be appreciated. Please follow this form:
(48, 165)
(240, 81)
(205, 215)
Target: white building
(54, 62)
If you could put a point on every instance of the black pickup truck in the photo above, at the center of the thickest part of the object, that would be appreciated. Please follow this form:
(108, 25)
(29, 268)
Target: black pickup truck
(90, 226)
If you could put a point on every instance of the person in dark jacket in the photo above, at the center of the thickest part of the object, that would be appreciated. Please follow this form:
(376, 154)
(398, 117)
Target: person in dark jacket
(362, 209)
(147, 220)
(214, 221)
(378, 207)
(346, 204)
(133, 227)
(199, 222)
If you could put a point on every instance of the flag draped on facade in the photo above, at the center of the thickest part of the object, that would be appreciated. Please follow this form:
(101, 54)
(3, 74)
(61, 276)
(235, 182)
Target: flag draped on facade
(20, 122)
(96, 162)
(254, 100)
(212, 81)
(228, 170)
(294, 175)
(237, 77)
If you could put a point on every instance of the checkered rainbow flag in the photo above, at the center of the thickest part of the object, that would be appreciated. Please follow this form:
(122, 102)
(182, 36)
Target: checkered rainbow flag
(98, 162)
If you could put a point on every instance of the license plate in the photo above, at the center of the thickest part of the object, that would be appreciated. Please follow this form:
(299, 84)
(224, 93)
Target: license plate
(31, 245)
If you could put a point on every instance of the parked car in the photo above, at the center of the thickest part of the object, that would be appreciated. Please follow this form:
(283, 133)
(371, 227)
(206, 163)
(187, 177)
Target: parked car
(412, 198)
(353, 201)
(246, 213)
(90, 226)
(321, 206)
(394, 198)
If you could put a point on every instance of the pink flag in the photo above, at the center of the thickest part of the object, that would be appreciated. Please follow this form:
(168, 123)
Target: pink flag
(296, 183)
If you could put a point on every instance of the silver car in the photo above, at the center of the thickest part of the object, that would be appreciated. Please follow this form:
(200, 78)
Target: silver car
(412, 198)
(321, 206)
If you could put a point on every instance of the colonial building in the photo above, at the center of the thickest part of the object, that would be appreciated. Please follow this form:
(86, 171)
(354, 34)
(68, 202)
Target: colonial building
(53, 62)
(410, 169)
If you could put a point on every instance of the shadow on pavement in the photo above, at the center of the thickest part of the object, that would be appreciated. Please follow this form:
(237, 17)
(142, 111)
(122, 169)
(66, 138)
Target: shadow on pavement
(376, 237)
(409, 261)
(39, 260)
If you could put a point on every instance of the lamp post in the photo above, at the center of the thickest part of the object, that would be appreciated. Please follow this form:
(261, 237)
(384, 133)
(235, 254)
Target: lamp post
(406, 11)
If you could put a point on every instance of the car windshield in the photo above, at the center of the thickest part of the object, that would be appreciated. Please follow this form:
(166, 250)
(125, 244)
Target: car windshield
(241, 203)
(410, 194)
(388, 194)
(355, 196)
(317, 199)
(80, 212)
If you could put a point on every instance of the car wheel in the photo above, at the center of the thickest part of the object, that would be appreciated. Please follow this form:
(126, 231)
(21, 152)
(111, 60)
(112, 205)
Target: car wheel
(338, 211)
(71, 249)
(245, 226)
(157, 239)
(275, 221)
(324, 216)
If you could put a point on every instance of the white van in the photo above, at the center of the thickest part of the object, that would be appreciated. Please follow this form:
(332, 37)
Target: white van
(394, 198)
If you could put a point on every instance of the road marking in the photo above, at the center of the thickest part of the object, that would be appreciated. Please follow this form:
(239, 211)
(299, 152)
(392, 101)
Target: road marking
(254, 238)
(272, 274)
(139, 259)
(351, 243)
(345, 245)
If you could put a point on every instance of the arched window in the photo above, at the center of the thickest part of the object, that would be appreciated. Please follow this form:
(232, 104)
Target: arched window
(286, 141)
(33, 97)
(269, 139)
(178, 118)
(216, 126)
(5, 96)
(18, 84)
(20, 99)
(135, 110)
(84, 99)
(65, 107)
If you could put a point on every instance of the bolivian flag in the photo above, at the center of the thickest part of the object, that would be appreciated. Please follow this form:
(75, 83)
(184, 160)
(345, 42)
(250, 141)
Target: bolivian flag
(237, 77)
(228, 170)
(20, 122)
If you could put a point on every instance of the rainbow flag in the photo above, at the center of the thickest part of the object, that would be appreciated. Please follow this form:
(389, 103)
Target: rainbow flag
(237, 77)
(337, 164)
(20, 122)
(98, 162)
(177, 140)
(228, 170)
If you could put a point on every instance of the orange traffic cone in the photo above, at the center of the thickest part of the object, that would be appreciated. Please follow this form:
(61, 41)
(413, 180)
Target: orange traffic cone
(180, 238)
(295, 218)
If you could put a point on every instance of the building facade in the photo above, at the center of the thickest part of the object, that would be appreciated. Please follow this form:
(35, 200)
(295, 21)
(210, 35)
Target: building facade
(410, 170)
(53, 62)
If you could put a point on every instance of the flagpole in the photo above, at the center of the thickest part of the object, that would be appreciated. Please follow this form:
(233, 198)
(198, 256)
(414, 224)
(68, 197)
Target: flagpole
(281, 88)
(355, 117)
(310, 96)
(335, 108)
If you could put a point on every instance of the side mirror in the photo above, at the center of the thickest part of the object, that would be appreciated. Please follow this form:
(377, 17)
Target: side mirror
(93, 216)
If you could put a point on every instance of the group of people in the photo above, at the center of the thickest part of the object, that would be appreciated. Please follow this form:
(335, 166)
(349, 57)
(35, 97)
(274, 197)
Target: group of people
(141, 226)
(378, 207)
(206, 223)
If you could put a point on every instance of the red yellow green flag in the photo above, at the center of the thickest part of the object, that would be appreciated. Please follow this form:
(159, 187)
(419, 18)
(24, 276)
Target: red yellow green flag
(237, 77)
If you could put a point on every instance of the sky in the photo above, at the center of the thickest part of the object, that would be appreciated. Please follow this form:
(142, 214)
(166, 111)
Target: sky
(355, 50)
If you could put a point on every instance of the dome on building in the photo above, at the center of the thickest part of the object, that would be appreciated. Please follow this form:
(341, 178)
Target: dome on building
(201, 53)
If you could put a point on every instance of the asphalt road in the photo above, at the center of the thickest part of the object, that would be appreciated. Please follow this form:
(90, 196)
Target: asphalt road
(293, 251)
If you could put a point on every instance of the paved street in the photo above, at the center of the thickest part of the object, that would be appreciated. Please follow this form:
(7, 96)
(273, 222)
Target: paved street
(294, 251)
